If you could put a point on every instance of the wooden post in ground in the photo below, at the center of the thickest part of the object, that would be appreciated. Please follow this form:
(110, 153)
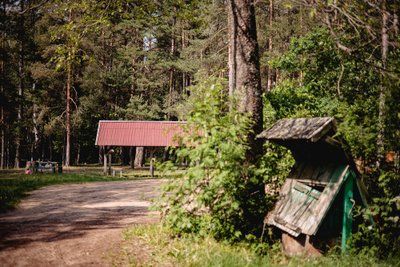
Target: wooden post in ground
(109, 163)
(107, 157)
(152, 167)
(105, 164)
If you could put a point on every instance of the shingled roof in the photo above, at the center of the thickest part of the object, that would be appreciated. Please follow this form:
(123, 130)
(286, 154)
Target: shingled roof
(310, 129)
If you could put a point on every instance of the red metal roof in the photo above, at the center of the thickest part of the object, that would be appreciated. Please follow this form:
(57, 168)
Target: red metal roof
(138, 133)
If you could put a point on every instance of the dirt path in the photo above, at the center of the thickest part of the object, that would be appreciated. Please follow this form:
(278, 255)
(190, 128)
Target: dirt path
(74, 225)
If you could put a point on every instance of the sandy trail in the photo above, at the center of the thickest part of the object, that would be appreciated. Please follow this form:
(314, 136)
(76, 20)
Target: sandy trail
(74, 225)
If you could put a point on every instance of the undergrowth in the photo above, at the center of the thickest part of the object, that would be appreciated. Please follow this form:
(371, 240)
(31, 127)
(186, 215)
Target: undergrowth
(212, 197)
(165, 249)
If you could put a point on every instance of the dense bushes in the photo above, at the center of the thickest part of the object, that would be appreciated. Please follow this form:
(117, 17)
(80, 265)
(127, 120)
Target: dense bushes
(221, 194)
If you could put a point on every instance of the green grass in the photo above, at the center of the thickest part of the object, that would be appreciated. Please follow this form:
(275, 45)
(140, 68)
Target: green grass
(163, 250)
(15, 185)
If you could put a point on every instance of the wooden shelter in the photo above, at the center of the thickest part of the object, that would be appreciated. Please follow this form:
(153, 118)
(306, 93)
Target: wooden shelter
(316, 202)
(111, 133)
(138, 133)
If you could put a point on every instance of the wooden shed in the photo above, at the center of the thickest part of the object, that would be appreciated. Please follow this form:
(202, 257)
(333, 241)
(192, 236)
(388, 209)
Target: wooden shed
(316, 202)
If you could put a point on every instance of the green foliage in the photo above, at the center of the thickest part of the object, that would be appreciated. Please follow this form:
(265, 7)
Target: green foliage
(381, 239)
(341, 85)
(331, 87)
(213, 197)
(288, 100)
(139, 109)
(274, 167)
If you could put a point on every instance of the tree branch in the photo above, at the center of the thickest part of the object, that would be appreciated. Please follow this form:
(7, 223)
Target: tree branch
(33, 7)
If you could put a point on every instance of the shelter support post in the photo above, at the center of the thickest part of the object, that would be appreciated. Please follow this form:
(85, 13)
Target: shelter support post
(105, 163)
(152, 167)
(109, 164)
(347, 211)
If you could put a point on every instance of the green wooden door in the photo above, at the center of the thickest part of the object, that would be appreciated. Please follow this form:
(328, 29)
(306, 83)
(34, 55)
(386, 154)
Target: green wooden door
(348, 204)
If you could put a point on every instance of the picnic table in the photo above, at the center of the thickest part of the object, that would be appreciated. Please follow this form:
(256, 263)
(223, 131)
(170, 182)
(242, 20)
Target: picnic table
(43, 166)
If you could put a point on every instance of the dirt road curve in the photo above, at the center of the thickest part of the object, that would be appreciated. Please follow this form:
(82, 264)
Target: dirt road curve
(74, 225)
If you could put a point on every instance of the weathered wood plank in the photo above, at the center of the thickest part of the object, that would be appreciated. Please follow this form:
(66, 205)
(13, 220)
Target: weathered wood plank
(322, 130)
(311, 129)
(326, 200)
(303, 207)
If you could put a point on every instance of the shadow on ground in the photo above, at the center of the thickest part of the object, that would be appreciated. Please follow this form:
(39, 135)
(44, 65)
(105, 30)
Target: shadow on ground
(65, 212)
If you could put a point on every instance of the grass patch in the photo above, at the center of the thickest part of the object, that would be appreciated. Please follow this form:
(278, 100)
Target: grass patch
(164, 250)
(14, 184)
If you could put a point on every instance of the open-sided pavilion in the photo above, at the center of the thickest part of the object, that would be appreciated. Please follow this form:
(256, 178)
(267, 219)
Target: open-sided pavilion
(113, 133)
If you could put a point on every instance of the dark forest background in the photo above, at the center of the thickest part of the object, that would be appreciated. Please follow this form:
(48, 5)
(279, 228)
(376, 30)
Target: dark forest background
(67, 64)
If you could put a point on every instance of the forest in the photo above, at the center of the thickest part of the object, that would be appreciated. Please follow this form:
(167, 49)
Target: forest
(231, 68)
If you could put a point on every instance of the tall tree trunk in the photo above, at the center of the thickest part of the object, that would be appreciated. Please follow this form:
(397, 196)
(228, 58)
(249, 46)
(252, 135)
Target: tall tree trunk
(21, 76)
(382, 93)
(183, 43)
(246, 72)
(171, 71)
(270, 20)
(2, 122)
(232, 48)
(68, 103)
(301, 74)
(139, 157)
(3, 139)
(68, 117)
(35, 144)
(3, 136)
